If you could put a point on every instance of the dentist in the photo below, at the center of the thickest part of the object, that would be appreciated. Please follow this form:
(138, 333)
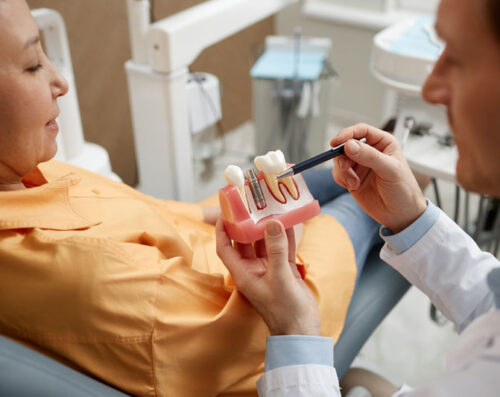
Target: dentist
(422, 243)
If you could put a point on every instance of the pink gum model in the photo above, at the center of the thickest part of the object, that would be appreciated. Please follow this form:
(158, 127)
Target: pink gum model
(246, 224)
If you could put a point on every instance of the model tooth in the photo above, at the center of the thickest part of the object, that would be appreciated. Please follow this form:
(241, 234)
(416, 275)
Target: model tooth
(290, 184)
(234, 176)
(272, 164)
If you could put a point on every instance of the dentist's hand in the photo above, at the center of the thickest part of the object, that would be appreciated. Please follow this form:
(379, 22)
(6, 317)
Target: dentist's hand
(378, 176)
(266, 274)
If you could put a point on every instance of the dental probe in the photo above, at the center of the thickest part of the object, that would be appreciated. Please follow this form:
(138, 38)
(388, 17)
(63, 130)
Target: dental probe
(258, 196)
(313, 161)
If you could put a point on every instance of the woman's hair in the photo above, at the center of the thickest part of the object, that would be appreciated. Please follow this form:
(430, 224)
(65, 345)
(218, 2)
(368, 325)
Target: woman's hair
(493, 15)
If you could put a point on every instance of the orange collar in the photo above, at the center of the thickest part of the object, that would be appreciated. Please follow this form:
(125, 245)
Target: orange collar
(46, 204)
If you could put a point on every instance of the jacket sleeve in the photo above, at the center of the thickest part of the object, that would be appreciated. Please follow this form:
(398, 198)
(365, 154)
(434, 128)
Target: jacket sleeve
(448, 266)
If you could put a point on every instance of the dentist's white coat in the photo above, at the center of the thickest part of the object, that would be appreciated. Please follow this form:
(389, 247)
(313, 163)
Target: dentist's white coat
(447, 265)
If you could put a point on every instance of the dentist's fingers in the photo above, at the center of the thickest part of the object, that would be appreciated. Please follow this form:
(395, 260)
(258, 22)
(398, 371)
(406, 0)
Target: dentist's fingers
(346, 178)
(374, 137)
(370, 157)
(343, 162)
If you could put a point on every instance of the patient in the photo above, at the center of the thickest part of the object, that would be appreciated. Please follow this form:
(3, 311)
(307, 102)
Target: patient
(122, 286)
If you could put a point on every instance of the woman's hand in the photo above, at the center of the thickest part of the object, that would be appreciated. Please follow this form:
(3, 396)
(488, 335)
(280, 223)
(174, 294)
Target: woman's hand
(267, 275)
(378, 176)
(210, 214)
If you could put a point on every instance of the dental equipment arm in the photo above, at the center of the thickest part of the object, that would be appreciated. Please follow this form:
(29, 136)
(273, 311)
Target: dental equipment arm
(176, 41)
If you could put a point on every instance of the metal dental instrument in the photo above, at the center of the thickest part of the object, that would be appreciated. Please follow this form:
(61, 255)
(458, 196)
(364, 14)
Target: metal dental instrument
(313, 161)
(408, 125)
(258, 196)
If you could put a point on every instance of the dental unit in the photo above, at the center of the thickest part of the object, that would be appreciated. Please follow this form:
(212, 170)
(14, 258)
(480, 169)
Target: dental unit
(247, 204)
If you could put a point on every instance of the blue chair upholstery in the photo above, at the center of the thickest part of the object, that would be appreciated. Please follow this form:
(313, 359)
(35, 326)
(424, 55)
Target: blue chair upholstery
(24, 372)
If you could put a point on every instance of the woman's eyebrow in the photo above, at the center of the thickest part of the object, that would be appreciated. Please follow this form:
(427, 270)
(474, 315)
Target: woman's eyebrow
(32, 41)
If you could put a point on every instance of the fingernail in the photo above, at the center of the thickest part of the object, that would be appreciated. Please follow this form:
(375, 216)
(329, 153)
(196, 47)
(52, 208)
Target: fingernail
(352, 147)
(352, 182)
(273, 229)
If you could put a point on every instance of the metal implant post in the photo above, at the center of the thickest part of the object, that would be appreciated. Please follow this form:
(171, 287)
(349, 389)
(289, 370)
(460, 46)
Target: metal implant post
(258, 196)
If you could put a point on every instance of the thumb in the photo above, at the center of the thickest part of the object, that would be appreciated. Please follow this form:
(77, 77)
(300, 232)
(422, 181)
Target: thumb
(367, 156)
(276, 247)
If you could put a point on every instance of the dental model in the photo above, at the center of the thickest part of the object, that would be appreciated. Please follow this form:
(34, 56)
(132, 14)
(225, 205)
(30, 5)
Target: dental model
(234, 177)
(271, 165)
(247, 203)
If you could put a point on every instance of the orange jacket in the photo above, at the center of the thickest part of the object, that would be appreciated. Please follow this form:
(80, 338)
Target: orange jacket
(129, 289)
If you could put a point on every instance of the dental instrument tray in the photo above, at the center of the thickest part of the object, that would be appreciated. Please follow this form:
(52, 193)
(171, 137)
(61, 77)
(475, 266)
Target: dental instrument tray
(247, 204)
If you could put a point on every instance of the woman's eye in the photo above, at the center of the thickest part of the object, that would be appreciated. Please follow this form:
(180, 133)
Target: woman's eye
(34, 69)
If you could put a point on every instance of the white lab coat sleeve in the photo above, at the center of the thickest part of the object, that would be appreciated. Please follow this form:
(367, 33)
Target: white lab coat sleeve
(311, 380)
(449, 267)
(480, 379)
(473, 365)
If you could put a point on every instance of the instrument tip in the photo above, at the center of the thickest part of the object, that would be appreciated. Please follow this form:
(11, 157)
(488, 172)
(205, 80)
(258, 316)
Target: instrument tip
(284, 174)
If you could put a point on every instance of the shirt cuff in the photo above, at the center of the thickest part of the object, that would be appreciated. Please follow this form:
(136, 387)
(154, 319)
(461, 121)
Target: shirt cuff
(407, 238)
(286, 350)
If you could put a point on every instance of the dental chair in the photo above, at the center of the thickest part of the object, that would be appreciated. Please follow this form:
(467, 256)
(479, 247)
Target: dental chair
(24, 372)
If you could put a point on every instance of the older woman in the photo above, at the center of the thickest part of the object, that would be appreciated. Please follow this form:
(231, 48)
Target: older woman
(122, 286)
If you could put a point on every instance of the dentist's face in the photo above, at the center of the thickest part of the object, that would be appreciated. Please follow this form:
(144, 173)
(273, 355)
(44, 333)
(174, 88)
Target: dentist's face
(466, 79)
(29, 87)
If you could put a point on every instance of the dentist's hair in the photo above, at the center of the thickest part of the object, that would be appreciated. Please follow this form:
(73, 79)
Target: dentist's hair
(493, 15)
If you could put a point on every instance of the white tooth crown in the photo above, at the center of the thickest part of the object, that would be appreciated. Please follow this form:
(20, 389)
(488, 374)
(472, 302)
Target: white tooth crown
(272, 164)
(234, 176)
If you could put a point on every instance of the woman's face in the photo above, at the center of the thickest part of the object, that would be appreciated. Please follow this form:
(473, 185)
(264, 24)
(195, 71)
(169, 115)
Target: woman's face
(29, 88)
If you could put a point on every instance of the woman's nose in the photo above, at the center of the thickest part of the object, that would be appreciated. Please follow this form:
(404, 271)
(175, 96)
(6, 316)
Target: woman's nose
(60, 85)
(436, 89)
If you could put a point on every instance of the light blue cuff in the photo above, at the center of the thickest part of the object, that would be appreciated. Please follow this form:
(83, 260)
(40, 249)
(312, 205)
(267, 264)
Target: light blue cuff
(407, 238)
(285, 350)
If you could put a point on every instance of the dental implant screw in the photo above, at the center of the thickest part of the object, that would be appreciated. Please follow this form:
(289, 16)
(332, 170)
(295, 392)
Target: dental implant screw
(258, 195)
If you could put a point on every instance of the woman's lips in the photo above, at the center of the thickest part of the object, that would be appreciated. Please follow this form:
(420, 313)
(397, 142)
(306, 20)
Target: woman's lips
(52, 125)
